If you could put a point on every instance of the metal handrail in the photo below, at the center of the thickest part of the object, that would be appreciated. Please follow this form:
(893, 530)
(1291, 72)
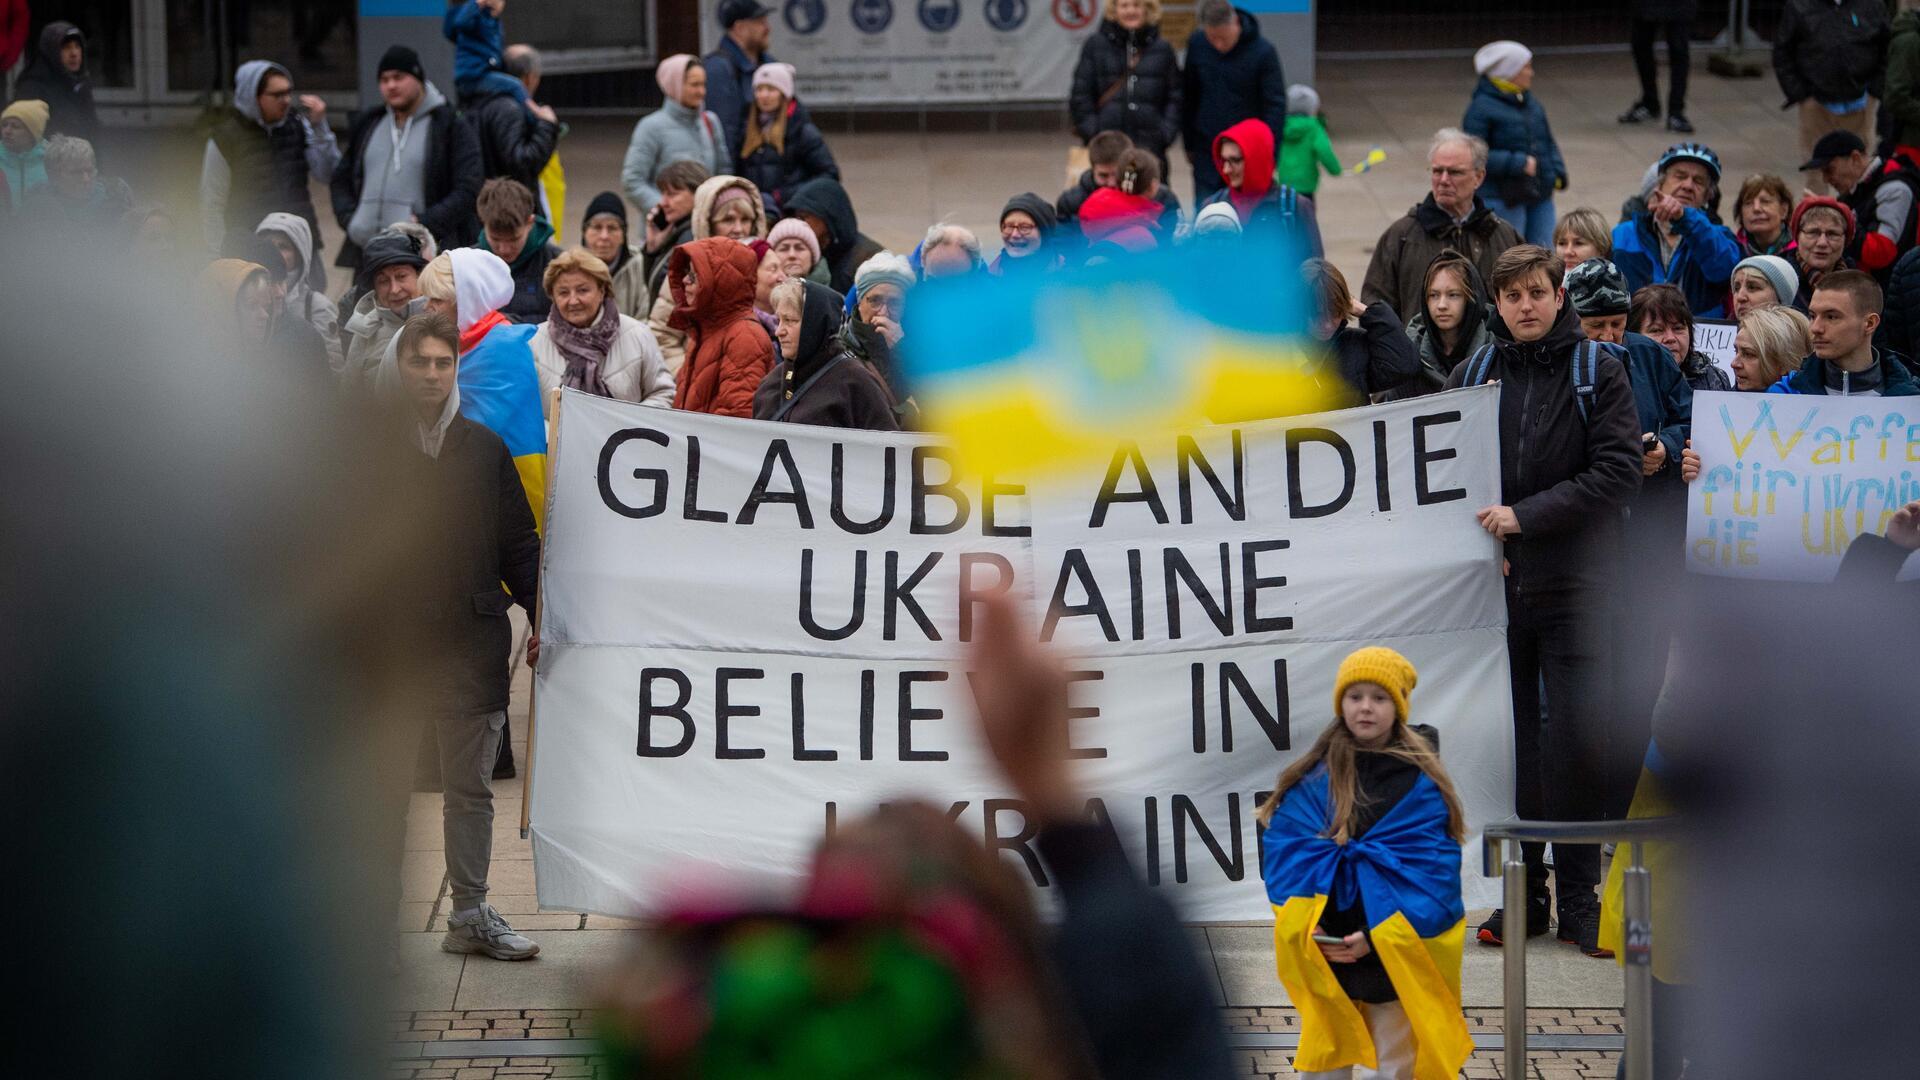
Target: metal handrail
(1505, 838)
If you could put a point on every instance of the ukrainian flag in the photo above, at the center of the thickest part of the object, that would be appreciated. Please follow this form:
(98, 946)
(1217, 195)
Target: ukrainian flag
(1664, 861)
(1040, 369)
(500, 389)
(1405, 872)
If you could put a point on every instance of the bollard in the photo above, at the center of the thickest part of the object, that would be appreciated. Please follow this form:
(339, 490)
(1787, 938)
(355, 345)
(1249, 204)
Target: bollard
(1513, 877)
(1637, 941)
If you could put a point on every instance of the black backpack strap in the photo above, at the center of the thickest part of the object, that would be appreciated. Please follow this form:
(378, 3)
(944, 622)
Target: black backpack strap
(1479, 366)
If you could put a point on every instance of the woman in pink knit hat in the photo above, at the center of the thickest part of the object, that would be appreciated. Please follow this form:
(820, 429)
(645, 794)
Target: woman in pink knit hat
(679, 130)
(780, 148)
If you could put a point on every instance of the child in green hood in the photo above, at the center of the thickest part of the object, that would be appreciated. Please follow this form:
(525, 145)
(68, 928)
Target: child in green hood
(1304, 146)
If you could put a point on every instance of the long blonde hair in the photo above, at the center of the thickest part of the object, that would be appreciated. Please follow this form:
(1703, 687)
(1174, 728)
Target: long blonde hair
(1336, 747)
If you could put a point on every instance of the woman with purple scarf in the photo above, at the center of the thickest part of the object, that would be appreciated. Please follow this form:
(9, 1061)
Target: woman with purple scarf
(588, 345)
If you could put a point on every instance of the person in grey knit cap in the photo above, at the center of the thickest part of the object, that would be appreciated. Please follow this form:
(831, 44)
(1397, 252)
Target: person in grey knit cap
(1762, 281)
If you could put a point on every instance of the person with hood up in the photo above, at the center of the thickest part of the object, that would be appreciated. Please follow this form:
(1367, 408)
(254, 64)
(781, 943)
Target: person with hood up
(510, 229)
(1845, 362)
(1243, 155)
(1372, 358)
(297, 346)
(411, 159)
(1673, 240)
(876, 325)
(780, 147)
(1232, 74)
(1026, 237)
(1450, 218)
(237, 298)
(823, 206)
(57, 75)
(586, 344)
(463, 484)
(258, 159)
(727, 351)
(728, 207)
(679, 130)
(23, 149)
(1127, 80)
(1127, 213)
(1304, 146)
(389, 286)
(1104, 152)
(291, 237)
(1451, 325)
(603, 231)
(1523, 159)
(817, 381)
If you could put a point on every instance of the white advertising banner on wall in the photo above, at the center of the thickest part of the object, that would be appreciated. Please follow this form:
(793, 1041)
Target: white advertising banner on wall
(927, 52)
(753, 630)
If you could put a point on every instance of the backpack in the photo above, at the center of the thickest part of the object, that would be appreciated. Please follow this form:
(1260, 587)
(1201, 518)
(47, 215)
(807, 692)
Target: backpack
(1584, 371)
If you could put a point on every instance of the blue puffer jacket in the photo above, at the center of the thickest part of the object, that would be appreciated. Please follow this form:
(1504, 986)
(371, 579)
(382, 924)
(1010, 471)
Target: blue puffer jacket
(1515, 127)
(1894, 379)
(1701, 265)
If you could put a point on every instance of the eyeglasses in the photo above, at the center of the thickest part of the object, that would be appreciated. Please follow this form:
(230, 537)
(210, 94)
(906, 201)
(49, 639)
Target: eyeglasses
(1456, 174)
(287, 93)
(884, 305)
(1822, 234)
(1020, 228)
(1234, 160)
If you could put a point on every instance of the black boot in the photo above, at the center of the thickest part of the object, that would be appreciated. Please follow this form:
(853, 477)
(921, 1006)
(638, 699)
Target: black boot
(1640, 113)
(1494, 930)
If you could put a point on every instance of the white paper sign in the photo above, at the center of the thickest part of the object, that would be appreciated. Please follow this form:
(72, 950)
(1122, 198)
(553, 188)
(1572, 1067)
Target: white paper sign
(752, 629)
(1713, 338)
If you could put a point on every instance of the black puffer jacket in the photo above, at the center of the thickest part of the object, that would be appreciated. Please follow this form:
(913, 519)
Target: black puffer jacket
(513, 143)
(1377, 355)
(802, 155)
(1567, 479)
(1832, 52)
(69, 95)
(1900, 318)
(1139, 66)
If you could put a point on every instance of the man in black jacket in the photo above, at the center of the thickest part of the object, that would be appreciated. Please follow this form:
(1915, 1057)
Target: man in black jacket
(1233, 74)
(480, 533)
(515, 140)
(424, 166)
(1104, 151)
(1569, 463)
(1831, 58)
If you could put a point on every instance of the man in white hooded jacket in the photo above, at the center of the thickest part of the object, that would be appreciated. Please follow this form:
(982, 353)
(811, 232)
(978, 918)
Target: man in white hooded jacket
(293, 238)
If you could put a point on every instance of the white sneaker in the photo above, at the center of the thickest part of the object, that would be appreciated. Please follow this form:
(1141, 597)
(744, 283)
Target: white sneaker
(485, 932)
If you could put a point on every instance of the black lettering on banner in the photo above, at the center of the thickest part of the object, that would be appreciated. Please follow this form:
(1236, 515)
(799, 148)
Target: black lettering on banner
(1219, 611)
(866, 714)
(1184, 814)
(1127, 453)
(1274, 721)
(1251, 583)
(1296, 502)
(1137, 609)
(1422, 494)
(1020, 842)
(855, 617)
(1152, 815)
(1187, 454)
(1096, 812)
(1074, 564)
(836, 502)
(1083, 712)
(909, 713)
(795, 495)
(991, 491)
(833, 820)
(677, 709)
(800, 752)
(724, 711)
(971, 594)
(658, 477)
(1197, 688)
(690, 508)
(948, 489)
(1382, 497)
(899, 594)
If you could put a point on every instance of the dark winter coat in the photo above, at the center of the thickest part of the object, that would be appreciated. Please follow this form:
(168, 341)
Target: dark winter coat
(802, 156)
(530, 303)
(1702, 373)
(846, 247)
(730, 87)
(1900, 316)
(1436, 360)
(1900, 107)
(1218, 90)
(1565, 478)
(1515, 128)
(1071, 200)
(69, 95)
(513, 142)
(1701, 266)
(824, 386)
(1146, 105)
(453, 178)
(269, 173)
(1831, 52)
(481, 533)
(1664, 10)
(1375, 356)
(1398, 271)
(1662, 397)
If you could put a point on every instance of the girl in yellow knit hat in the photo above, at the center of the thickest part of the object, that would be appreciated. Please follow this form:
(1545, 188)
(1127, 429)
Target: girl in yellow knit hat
(1360, 852)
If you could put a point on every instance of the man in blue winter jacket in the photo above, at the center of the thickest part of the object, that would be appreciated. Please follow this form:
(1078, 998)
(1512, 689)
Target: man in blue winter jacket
(730, 67)
(1673, 241)
(1233, 74)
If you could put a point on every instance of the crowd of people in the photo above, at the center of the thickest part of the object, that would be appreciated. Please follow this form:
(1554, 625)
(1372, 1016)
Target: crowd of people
(749, 290)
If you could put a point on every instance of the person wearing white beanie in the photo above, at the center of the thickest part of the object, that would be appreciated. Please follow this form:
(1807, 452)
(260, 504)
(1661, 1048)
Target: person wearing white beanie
(1524, 166)
(872, 333)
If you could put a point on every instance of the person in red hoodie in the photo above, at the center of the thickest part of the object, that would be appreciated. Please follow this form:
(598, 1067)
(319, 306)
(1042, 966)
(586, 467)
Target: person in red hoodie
(1127, 214)
(728, 352)
(1244, 155)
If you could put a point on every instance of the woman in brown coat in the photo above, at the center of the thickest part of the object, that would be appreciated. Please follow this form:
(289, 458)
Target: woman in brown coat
(728, 351)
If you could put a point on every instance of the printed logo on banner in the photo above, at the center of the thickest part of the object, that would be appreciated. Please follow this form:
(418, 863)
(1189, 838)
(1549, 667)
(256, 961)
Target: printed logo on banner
(939, 16)
(1004, 15)
(1074, 14)
(804, 16)
(872, 16)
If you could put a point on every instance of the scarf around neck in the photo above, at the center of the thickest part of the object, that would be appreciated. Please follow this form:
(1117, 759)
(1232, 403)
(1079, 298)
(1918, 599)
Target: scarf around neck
(585, 349)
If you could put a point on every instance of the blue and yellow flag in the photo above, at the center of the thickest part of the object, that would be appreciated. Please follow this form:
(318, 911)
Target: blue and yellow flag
(1666, 876)
(1405, 873)
(1039, 369)
(500, 389)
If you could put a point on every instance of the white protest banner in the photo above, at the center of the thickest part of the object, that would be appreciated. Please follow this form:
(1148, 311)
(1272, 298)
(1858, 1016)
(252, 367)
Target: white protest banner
(928, 52)
(1713, 338)
(751, 630)
(1788, 480)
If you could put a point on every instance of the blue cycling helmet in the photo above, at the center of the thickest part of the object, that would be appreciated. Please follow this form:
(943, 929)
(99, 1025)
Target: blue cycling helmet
(1690, 151)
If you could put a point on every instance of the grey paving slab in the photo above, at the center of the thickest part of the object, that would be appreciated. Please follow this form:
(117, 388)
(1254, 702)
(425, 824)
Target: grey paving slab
(428, 978)
(565, 975)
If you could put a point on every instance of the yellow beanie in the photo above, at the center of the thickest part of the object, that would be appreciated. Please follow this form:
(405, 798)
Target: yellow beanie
(1380, 665)
(29, 112)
